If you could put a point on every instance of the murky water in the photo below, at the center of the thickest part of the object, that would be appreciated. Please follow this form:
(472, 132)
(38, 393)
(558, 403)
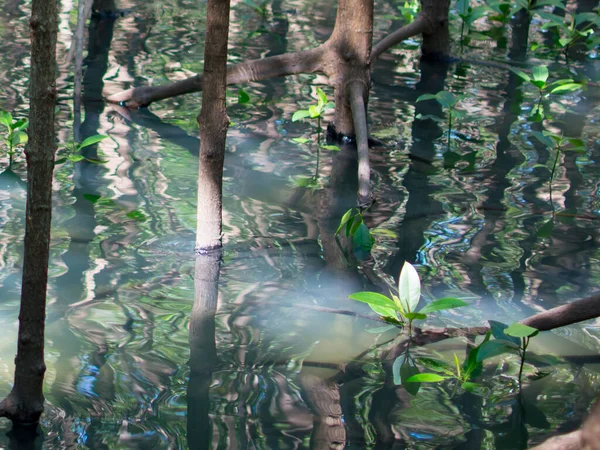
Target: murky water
(137, 359)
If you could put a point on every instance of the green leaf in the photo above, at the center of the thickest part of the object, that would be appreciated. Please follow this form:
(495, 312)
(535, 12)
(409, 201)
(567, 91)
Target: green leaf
(457, 366)
(334, 148)
(426, 378)
(494, 348)
(385, 312)
(426, 97)
(6, 119)
(243, 97)
(546, 229)
(415, 316)
(20, 124)
(92, 197)
(446, 99)
(75, 158)
(564, 42)
(374, 298)
(544, 139)
(521, 75)
(300, 140)
(398, 362)
(60, 161)
(556, 3)
(578, 144)
(568, 87)
(322, 97)
(357, 222)
(443, 303)
(362, 238)
(520, 330)
(91, 140)
(300, 114)
(19, 137)
(407, 371)
(435, 365)
(137, 215)
(314, 111)
(540, 74)
(409, 287)
(469, 386)
(497, 329)
(345, 218)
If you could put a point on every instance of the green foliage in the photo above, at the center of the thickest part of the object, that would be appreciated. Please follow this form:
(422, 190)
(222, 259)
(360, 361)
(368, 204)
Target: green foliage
(448, 101)
(358, 233)
(539, 79)
(403, 307)
(572, 27)
(463, 372)
(15, 133)
(469, 15)
(508, 339)
(316, 111)
(558, 144)
(409, 10)
(73, 151)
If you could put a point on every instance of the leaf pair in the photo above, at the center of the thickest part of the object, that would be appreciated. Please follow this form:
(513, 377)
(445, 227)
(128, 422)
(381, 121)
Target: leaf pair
(539, 79)
(314, 111)
(403, 307)
(74, 150)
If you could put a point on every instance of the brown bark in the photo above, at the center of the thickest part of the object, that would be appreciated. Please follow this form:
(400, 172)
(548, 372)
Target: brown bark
(25, 403)
(420, 25)
(436, 40)
(213, 122)
(577, 311)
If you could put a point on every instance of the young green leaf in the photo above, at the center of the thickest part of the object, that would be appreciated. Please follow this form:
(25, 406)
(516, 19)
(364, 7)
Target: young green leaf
(384, 312)
(494, 348)
(426, 378)
(300, 114)
(409, 287)
(540, 75)
(415, 316)
(520, 330)
(300, 140)
(322, 97)
(446, 99)
(6, 119)
(497, 329)
(243, 97)
(345, 218)
(334, 148)
(546, 229)
(426, 97)
(521, 75)
(374, 298)
(362, 238)
(20, 137)
(436, 365)
(564, 88)
(443, 303)
(314, 111)
(91, 140)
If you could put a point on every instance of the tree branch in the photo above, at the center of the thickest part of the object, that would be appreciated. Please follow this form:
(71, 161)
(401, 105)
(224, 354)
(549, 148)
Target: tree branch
(308, 61)
(577, 311)
(358, 93)
(420, 25)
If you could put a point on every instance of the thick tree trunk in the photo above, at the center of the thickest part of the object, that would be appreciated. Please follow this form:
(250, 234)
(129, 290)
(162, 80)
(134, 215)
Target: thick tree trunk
(436, 40)
(213, 121)
(25, 403)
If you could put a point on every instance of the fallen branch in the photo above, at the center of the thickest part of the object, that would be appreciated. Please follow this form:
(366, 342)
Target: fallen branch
(308, 61)
(359, 116)
(577, 311)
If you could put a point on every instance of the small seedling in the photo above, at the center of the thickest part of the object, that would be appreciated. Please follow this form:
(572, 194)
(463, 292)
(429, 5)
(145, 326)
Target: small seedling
(508, 339)
(559, 144)
(315, 112)
(448, 101)
(571, 28)
(15, 135)
(468, 15)
(539, 79)
(462, 373)
(354, 227)
(73, 151)
(403, 307)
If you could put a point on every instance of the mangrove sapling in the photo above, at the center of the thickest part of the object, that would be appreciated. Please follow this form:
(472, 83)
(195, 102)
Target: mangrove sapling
(508, 339)
(463, 373)
(402, 308)
(572, 27)
(358, 233)
(448, 101)
(73, 151)
(315, 111)
(558, 144)
(539, 79)
(468, 15)
(15, 135)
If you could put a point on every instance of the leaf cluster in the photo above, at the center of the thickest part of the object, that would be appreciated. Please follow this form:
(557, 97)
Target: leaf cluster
(73, 151)
(15, 134)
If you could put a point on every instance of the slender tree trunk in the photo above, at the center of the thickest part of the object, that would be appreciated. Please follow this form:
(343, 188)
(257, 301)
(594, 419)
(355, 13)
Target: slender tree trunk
(213, 121)
(25, 403)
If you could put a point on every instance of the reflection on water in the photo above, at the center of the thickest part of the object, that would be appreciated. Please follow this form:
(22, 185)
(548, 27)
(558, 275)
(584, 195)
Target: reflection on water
(140, 352)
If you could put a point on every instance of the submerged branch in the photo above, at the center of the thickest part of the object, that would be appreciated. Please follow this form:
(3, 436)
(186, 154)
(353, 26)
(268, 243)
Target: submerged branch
(308, 61)
(420, 25)
(359, 116)
(577, 311)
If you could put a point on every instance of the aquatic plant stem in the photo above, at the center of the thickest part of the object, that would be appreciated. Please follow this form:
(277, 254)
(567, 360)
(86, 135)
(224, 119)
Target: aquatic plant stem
(523, 353)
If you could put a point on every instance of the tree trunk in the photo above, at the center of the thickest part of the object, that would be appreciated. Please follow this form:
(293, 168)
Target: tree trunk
(25, 403)
(436, 41)
(349, 58)
(213, 121)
